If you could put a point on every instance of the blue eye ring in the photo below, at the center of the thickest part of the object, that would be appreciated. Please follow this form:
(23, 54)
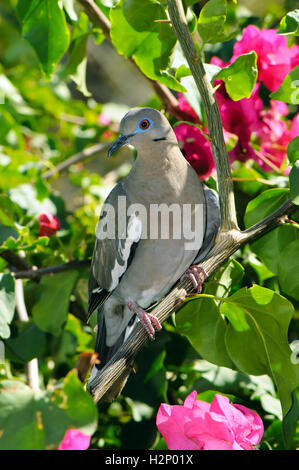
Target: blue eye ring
(144, 124)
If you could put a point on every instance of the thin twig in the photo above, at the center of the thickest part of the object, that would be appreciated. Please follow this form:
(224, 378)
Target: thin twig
(31, 366)
(15, 260)
(50, 270)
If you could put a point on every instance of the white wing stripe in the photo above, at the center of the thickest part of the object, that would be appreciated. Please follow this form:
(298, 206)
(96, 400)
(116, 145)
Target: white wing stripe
(133, 236)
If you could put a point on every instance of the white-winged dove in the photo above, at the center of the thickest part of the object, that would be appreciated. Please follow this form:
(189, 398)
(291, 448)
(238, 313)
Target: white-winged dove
(135, 261)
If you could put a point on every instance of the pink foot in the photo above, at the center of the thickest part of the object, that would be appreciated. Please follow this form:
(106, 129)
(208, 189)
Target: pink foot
(146, 319)
(197, 276)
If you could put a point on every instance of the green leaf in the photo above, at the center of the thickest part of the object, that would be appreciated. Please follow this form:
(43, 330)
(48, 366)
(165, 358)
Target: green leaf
(38, 420)
(257, 337)
(8, 210)
(44, 26)
(246, 173)
(294, 183)
(200, 321)
(290, 23)
(293, 150)
(290, 423)
(269, 247)
(7, 232)
(135, 33)
(289, 89)
(264, 204)
(260, 268)
(50, 311)
(225, 278)
(7, 303)
(28, 344)
(240, 77)
(182, 71)
(288, 269)
(211, 20)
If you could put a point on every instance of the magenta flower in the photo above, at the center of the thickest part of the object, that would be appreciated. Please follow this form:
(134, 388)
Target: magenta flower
(48, 224)
(274, 135)
(274, 58)
(295, 127)
(219, 425)
(196, 149)
(104, 119)
(74, 440)
(187, 109)
(241, 118)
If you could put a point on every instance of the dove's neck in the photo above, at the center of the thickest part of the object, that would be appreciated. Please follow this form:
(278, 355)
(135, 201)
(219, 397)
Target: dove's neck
(161, 172)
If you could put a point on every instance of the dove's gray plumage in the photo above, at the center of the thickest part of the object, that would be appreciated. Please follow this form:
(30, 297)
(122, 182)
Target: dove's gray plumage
(132, 268)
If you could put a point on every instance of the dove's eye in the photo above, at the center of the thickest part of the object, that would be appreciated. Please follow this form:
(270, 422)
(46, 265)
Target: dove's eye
(144, 124)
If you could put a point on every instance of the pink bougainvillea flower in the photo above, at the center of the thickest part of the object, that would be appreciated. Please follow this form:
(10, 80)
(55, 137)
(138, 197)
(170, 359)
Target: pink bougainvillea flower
(48, 224)
(219, 425)
(274, 58)
(240, 118)
(104, 119)
(187, 109)
(196, 149)
(274, 135)
(295, 127)
(74, 440)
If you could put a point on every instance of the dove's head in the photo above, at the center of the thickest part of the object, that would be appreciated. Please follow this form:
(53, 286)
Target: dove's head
(142, 127)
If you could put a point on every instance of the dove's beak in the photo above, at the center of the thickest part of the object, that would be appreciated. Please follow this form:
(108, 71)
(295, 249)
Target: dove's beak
(120, 142)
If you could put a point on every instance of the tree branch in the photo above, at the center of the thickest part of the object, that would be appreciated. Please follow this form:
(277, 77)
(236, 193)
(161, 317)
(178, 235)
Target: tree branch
(169, 101)
(119, 366)
(15, 260)
(225, 184)
(78, 157)
(50, 270)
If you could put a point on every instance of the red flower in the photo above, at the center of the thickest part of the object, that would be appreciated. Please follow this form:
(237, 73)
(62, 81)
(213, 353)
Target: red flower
(48, 224)
(196, 149)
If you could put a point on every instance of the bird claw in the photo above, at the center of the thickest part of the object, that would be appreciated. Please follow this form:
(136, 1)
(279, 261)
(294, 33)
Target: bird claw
(146, 319)
(194, 274)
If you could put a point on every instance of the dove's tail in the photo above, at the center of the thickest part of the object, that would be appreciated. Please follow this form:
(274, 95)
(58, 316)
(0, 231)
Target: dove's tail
(105, 353)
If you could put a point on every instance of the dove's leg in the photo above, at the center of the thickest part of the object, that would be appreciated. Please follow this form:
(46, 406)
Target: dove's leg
(197, 276)
(146, 319)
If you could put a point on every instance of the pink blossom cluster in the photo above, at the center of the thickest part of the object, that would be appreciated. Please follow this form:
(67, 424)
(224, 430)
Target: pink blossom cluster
(219, 425)
(260, 133)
